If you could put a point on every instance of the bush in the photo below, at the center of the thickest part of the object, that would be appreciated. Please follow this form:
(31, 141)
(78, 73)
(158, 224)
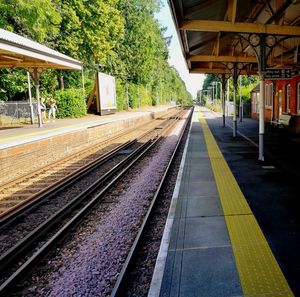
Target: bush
(70, 103)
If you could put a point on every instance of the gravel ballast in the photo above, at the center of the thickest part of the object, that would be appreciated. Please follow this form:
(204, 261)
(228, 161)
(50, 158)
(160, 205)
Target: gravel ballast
(89, 264)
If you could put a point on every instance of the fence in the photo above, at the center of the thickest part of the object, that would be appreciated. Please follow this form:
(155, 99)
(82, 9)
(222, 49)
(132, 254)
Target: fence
(16, 112)
(229, 108)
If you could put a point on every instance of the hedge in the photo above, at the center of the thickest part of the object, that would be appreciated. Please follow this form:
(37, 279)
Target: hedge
(70, 103)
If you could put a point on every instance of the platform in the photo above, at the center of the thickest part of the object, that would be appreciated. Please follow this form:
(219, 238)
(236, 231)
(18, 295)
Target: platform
(212, 244)
(20, 134)
(29, 147)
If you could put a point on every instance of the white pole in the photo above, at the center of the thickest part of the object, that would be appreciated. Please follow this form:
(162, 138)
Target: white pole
(241, 100)
(30, 99)
(228, 97)
(261, 116)
(234, 111)
(82, 74)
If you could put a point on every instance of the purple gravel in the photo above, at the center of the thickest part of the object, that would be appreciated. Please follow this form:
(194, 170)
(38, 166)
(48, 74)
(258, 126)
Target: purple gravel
(94, 268)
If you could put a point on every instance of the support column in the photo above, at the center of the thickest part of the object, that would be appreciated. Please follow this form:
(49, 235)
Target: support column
(241, 101)
(234, 111)
(82, 77)
(261, 115)
(30, 99)
(223, 105)
(228, 97)
(36, 73)
(235, 82)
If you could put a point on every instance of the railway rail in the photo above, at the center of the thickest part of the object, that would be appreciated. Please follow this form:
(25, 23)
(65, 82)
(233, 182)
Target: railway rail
(122, 281)
(18, 194)
(37, 243)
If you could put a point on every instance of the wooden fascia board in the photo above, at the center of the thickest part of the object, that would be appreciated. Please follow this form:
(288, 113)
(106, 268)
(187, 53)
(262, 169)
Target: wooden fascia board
(209, 71)
(59, 62)
(222, 26)
(218, 71)
(207, 58)
(12, 64)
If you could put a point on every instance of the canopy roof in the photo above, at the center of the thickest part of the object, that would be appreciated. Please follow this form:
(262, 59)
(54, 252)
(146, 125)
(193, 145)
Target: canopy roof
(215, 31)
(18, 51)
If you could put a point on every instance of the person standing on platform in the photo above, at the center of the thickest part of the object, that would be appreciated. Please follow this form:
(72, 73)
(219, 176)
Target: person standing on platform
(53, 109)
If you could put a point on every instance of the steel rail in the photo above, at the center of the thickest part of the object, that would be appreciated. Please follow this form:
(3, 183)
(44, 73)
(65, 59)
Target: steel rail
(53, 189)
(26, 267)
(120, 284)
(87, 152)
(15, 252)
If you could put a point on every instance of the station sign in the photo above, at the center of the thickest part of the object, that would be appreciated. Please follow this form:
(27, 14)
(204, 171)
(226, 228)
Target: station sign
(278, 73)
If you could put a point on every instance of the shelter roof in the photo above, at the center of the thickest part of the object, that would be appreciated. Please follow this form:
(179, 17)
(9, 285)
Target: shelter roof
(18, 51)
(216, 31)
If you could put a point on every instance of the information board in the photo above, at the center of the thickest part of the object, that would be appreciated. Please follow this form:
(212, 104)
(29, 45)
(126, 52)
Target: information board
(278, 73)
(106, 93)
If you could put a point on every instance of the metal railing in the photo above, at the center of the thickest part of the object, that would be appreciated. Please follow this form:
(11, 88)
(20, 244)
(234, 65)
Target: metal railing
(16, 112)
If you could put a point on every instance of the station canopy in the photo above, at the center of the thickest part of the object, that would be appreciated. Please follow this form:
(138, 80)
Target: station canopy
(215, 32)
(20, 52)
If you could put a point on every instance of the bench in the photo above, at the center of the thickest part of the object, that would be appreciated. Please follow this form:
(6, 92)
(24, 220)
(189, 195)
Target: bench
(284, 120)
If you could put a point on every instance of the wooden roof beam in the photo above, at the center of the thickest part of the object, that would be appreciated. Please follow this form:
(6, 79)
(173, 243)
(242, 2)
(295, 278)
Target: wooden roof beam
(231, 11)
(220, 70)
(221, 26)
(207, 58)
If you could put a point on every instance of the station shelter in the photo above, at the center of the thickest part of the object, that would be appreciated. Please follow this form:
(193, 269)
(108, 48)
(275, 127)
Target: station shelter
(19, 52)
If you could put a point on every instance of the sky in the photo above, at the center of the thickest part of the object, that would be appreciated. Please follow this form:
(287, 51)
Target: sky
(193, 82)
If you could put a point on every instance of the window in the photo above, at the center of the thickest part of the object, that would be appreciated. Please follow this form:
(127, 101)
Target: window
(288, 97)
(298, 98)
(256, 102)
(269, 95)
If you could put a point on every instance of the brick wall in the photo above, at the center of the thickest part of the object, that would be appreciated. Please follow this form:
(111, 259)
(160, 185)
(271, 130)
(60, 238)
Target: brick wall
(18, 160)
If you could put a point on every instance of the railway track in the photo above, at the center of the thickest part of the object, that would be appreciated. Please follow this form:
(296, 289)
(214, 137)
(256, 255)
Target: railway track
(37, 243)
(18, 194)
(124, 276)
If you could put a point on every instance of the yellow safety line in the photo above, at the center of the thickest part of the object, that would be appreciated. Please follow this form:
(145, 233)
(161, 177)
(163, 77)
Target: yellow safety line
(259, 272)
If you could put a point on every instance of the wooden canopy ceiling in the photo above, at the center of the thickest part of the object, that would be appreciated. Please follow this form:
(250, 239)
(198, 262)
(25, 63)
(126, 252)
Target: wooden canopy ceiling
(20, 52)
(214, 32)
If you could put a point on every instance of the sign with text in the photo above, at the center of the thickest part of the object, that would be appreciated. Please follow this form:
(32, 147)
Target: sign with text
(107, 93)
(278, 73)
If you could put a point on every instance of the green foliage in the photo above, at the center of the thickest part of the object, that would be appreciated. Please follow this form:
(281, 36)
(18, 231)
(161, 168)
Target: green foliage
(247, 84)
(70, 103)
(35, 18)
(119, 37)
(13, 84)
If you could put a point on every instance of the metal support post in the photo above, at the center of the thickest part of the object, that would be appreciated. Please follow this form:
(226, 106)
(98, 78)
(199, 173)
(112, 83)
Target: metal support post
(36, 73)
(30, 99)
(127, 97)
(241, 100)
(235, 82)
(223, 105)
(83, 92)
(261, 73)
(228, 97)
(234, 111)
(261, 116)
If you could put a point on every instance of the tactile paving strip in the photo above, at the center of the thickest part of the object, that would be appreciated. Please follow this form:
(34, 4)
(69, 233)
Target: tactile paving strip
(259, 272)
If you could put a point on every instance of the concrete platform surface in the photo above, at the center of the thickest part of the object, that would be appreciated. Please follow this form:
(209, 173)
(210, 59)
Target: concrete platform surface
(212, 243)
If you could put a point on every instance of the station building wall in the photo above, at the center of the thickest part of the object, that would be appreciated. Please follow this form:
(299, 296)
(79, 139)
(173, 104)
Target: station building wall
(281, 97)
